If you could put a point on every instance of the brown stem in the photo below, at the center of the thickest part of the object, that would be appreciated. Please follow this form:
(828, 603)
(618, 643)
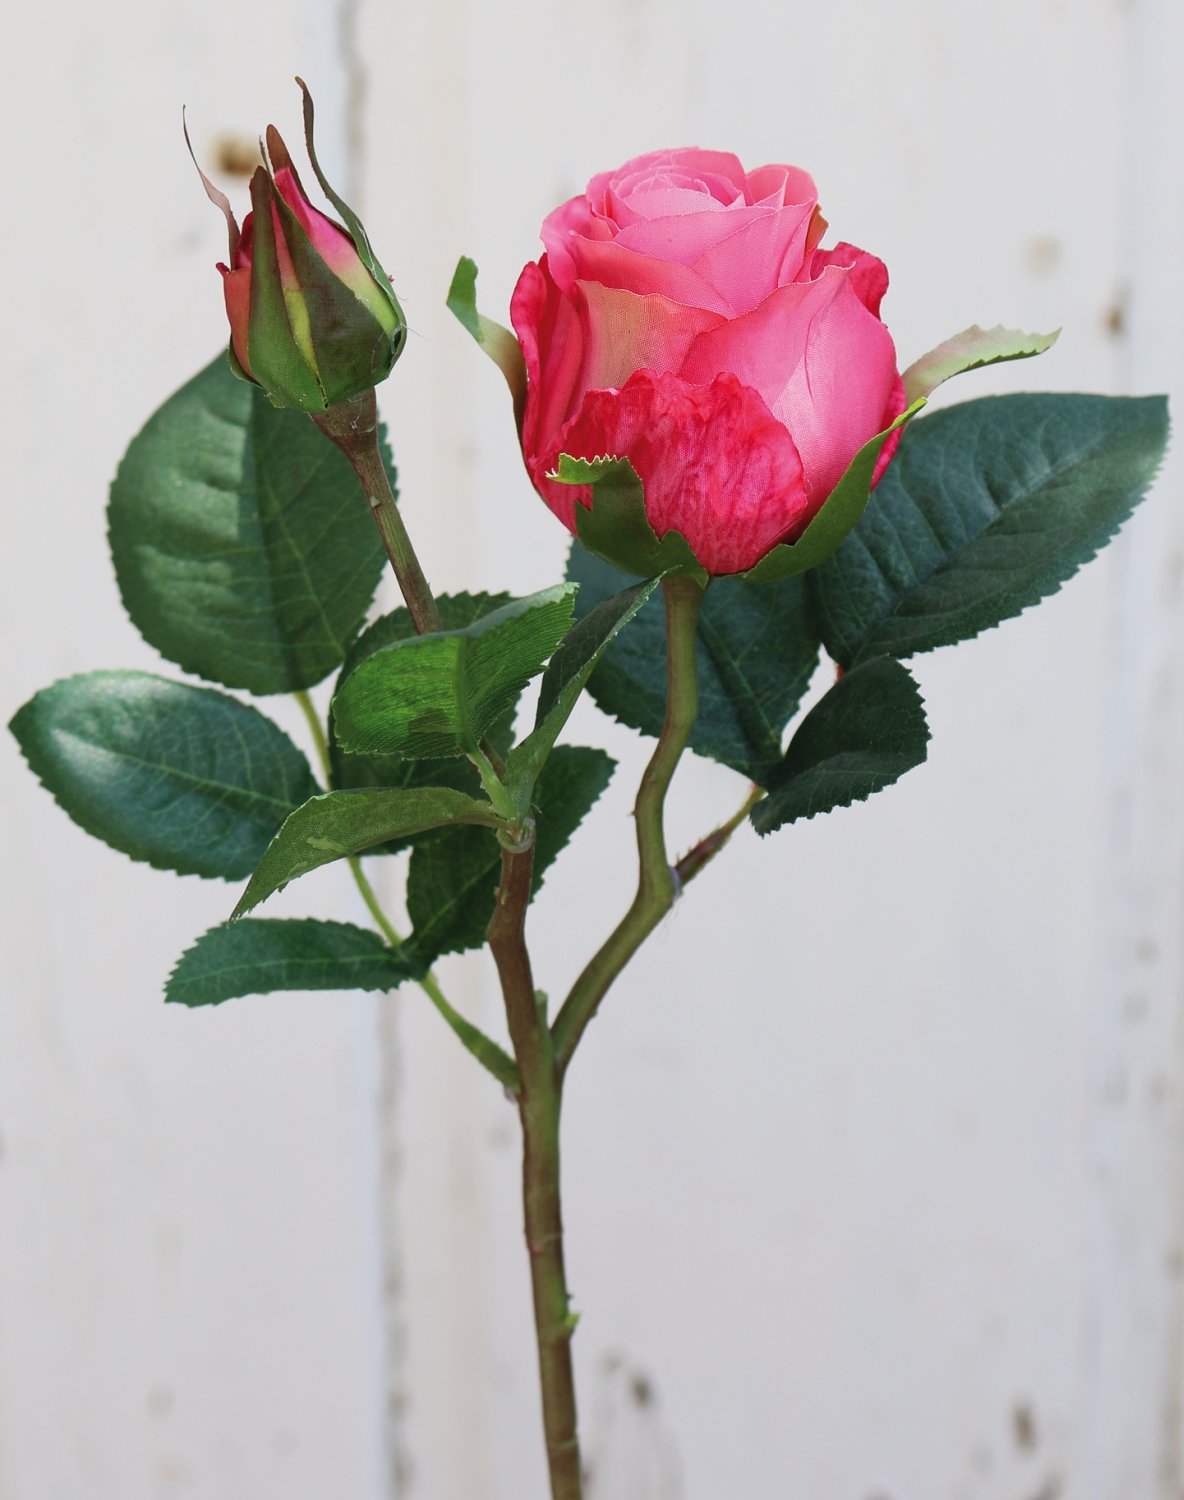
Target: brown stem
(539, 1103)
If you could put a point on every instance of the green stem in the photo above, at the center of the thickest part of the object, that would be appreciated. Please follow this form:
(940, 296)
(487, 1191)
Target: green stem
(539, 1106)
(656, 885)
(353, 426)
(707, 848)
(484, 1048)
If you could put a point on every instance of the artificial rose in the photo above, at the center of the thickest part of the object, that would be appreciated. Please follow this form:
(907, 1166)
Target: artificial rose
(312, 316)
(684, 317)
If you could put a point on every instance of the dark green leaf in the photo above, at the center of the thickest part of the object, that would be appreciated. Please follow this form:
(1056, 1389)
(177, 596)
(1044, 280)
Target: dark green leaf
(564, 681)
(255, 957)
(182, 777)
(437, 695)
(242, 543)
(757, 651)
(338, 824)
(456, 611)
(451, 884)
(863, 735)
(988, 507)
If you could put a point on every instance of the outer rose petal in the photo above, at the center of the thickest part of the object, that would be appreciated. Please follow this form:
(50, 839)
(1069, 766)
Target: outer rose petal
(714, 463)
(236, 288)
(869, 274)
(623, 332)
(549, 332)
(824, 364)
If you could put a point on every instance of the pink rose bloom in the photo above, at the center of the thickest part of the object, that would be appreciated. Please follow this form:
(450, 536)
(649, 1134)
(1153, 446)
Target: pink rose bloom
(684, 317)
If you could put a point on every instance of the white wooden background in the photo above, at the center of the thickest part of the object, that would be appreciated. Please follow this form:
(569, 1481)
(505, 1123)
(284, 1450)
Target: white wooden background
(875, 1179)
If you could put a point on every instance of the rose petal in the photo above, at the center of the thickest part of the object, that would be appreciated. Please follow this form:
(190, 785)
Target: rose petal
(823, 363)
(549, 332)
(779, 185)
(236, 288)
(719, 172)
(869, 275)
(715, 465)
(623, 332)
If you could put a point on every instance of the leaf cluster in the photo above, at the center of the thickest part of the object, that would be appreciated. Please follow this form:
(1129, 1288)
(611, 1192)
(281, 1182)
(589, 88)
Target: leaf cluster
(245, 556)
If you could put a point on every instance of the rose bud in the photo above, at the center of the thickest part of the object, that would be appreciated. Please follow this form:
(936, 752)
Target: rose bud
(685, 317)
(313, 319)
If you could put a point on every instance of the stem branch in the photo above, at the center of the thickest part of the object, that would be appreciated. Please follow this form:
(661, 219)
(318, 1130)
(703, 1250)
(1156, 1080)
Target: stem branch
(708, 847)
(656, 887)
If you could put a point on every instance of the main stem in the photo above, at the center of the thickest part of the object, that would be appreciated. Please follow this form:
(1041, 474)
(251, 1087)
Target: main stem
(656, 883)
(540, 1100)
(353, 426)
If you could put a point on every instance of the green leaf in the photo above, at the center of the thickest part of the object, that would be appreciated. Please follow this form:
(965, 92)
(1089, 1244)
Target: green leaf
(242, 543)
(456, 611)
(862, 736)
(988, 507)
(181, 777)
(616, 526)
(840, 512)
(336, 825)
(757, 650)
(971, 349)
(436, 695)
(498, 342)
(256, 957)
(451, 883)
(564, 681)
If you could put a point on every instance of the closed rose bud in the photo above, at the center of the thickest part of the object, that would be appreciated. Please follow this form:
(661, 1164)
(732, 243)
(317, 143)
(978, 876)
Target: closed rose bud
(313, 319)
(686, 318)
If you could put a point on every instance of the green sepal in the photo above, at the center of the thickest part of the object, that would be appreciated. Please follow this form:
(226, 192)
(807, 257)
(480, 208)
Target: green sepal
(436, 695)
(615, 526)
(258, 956)
(336, 825)
(839, 513)
(278, 363)
(352, 223)
(183, 778)
(242, 547)
(989, 507)
(564, 680)
(351, 348)
(498, 342)
(452, 880)
(972, 349)
(866, 732)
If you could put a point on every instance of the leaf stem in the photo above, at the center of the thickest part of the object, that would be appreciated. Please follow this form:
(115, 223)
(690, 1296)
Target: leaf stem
(353, 427)
(495, 788)
(484, 1048)
(656, 882)
(539, 1104)
(702, 853)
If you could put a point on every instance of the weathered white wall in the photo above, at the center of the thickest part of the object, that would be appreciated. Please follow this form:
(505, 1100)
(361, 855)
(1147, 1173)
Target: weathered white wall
(874, 1169)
